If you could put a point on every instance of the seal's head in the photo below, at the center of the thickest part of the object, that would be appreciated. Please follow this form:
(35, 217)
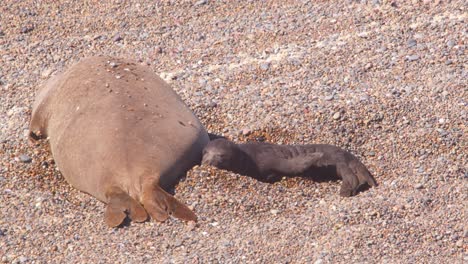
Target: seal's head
(220, 153)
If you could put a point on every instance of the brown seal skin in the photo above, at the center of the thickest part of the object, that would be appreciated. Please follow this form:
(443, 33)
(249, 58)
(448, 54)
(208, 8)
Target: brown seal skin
(120, 133)
(268, 162)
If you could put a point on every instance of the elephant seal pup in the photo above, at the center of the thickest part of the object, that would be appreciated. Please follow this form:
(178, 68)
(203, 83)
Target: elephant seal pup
(268, 162)
(120, 133)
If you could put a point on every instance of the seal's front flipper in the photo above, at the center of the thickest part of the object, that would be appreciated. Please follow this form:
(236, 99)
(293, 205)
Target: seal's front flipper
(160, 205)
(119, 205)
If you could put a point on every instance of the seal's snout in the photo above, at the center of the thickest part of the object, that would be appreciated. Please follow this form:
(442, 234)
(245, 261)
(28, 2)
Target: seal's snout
(213, 158)
(205, 159)
(209, 159)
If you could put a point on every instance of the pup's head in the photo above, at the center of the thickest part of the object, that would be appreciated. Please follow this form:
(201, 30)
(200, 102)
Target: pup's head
(220, 153)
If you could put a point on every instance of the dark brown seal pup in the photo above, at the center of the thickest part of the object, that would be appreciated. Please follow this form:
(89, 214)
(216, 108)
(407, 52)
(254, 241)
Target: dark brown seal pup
(120, 133)
(268, 162)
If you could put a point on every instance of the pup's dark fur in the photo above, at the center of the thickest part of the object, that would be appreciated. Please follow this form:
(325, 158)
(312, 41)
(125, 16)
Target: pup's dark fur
(268, 162)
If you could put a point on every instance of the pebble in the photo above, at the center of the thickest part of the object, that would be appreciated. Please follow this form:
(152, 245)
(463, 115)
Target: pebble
(419, 186)
(201, 2)
(246, 131)
(451, 43)
(117, 38)
(412, 57)
(27, 29)
(411, 43)
(337, 115)
(25, 158)
(46, 73)
(265, 66)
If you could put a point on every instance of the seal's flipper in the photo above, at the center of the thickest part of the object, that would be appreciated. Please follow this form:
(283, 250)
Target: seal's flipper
(119, 205)
(363, 174)
(160, 205)
(351, 183)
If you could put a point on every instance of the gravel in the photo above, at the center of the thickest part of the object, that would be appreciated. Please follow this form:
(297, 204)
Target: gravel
(383, 79)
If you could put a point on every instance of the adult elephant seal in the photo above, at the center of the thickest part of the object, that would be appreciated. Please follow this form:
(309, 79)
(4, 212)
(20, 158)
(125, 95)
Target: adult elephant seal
(120, 133)
(268, 162)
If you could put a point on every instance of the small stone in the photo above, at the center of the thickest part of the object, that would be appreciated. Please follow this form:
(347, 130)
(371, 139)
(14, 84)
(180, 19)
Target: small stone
(191, 225)
(419, 186)
(337, 115)
(46, 73)
(368, 66)
(412, 57)
(246, 131)
(318, 261)
(27, 29)
(117, 38)
(113, 64)
(23, 259)
(274, 211)
(450, 43)
(364, 97)
(25, 158)
(363, 34)
(201, 2)
(411, 43)
(329, 97)
(178, 243)
(265, 66)
(202, 82)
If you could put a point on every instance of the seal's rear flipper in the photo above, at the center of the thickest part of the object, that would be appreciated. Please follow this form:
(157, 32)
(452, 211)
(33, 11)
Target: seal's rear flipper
(160, 205)
(365, 177)
(119, 205)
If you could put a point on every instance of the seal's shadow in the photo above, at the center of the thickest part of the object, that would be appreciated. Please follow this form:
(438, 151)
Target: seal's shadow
(214, 136)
